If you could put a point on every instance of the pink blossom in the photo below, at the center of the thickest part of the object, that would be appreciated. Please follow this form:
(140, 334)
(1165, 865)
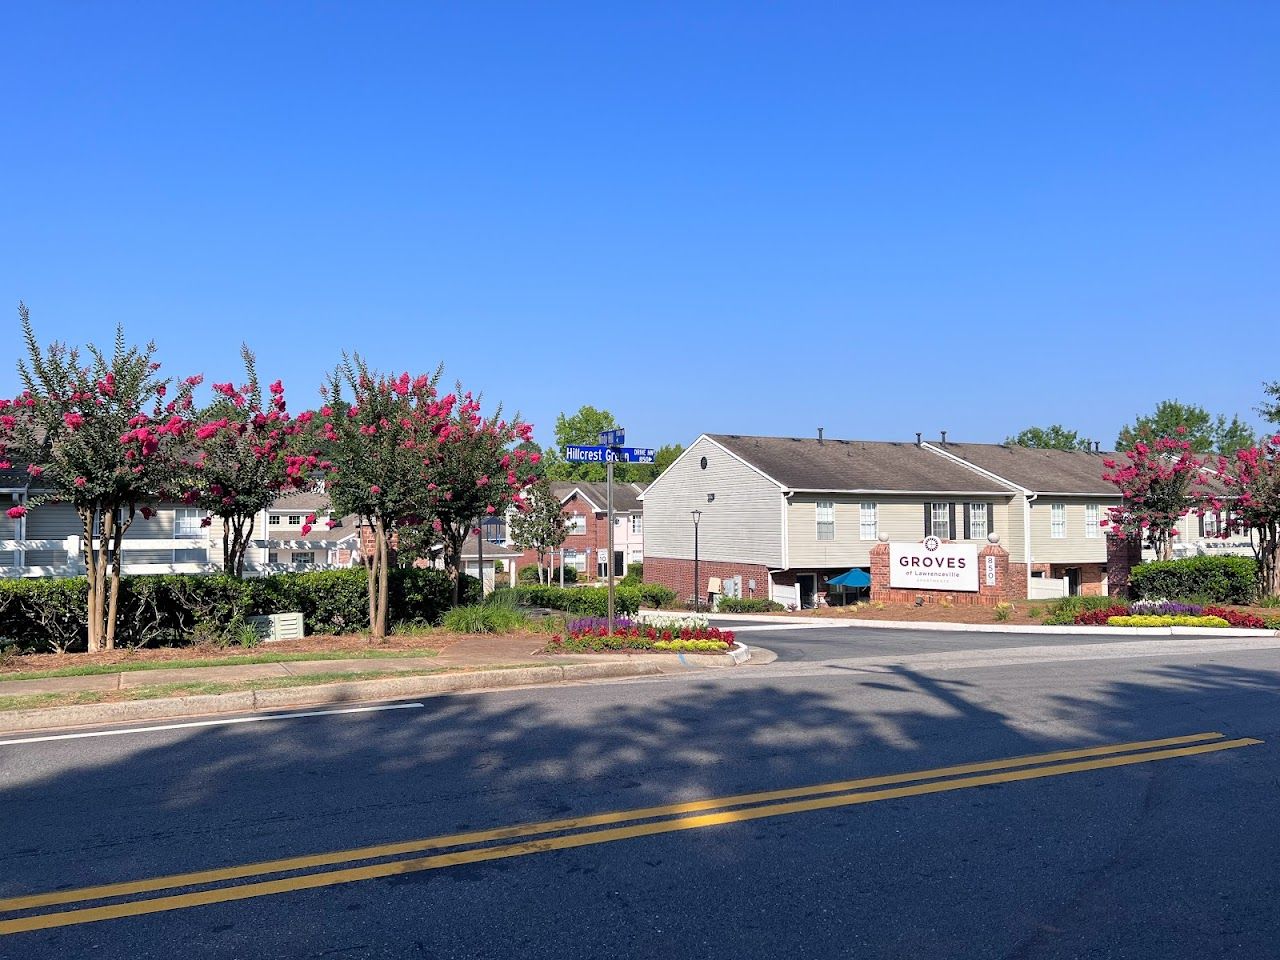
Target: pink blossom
(34, 470)
(375, 490)
(437, 526)
(306, 528)
(15, 512)
(311, 518)
(535, 457)
(73, 421)
(80, 481)
(277, 388)
(490, 509)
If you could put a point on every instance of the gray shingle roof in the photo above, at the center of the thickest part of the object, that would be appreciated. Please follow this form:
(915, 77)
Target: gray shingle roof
(301, 500)
(1040, 471)
(625, 495)
(855, 465)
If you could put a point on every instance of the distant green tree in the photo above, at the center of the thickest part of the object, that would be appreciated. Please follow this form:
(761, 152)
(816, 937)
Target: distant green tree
(1205, 433)
(581, 428)
(1270, 408)
(1055, 437)
(542, 527)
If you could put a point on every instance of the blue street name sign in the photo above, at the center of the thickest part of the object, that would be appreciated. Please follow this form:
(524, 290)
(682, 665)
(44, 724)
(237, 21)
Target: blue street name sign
(602, 454)
(613, 438)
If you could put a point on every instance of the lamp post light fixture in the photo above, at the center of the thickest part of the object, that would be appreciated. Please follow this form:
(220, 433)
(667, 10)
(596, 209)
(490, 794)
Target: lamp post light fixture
(697, 597)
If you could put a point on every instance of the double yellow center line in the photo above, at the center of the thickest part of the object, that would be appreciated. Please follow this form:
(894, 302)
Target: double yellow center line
(576, 832)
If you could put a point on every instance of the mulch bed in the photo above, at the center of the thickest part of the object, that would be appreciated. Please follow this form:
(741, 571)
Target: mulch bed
(313, 644)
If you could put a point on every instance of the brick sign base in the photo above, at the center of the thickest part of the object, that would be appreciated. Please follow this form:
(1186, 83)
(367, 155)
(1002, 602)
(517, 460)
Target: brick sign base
(987, 596)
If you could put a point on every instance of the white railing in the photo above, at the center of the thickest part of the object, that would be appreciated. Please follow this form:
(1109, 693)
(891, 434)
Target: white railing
(1047, 588)
(73, 565)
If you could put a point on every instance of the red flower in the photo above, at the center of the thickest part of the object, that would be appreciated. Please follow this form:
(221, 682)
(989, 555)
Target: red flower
(15, 512)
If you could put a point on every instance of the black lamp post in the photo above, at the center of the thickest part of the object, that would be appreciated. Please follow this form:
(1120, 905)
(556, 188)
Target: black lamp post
(697, 597)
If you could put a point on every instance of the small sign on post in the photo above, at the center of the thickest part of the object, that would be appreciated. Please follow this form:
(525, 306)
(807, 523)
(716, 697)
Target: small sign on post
(613, 438)
(577, 453)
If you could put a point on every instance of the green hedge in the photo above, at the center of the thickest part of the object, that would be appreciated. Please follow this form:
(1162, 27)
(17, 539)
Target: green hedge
(1202, 579)
(586, 601)
(748, 605)
(49, 614)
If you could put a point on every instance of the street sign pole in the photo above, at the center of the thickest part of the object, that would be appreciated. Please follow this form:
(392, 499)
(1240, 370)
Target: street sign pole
(609, 483)
(610, 440)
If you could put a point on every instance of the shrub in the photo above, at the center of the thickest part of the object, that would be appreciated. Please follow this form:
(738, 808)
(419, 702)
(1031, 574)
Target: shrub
(1065, 609)
(1204, 579)
(748, 605)
(49, 614)
(656, 595)
(528, 574)
(1146, 620)
(1003, 611)
(643, 636)
(587, 601)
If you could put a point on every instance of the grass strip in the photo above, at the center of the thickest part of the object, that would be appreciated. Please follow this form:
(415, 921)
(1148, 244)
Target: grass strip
(196, 687)
(97, 669)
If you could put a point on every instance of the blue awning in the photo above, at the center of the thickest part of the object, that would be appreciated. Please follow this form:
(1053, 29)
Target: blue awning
(854, 578)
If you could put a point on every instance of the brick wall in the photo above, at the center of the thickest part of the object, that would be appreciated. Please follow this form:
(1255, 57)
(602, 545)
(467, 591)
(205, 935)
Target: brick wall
(678, 575)
(1005, 588)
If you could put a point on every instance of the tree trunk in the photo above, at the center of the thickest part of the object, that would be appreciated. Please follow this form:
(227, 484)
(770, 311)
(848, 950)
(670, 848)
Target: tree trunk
(376, 564)
(114, 606)
(88, 518)
(453, 562)
(235, 543)
(1269, 559)
(384, 578)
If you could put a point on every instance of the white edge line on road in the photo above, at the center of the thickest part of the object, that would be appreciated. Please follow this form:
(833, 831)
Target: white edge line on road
(210, 723)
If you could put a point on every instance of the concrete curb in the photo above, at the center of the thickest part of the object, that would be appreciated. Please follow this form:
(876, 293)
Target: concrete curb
(997, 627)
(390, 688)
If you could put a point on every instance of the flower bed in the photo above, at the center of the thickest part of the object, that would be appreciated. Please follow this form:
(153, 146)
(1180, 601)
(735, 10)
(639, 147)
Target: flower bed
(1166, 613)
(587, 636)
(1173, 620)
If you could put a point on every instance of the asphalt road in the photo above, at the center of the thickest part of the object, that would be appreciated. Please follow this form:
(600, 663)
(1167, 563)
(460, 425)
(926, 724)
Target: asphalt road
(805, 643)
(1085, 855)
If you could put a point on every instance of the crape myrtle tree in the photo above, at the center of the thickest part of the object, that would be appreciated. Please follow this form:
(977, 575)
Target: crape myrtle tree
(101, 433)
(243, 460)
(479, 468)
(1252, 479)
(542, 527)
(1159, 484)
(380, 436)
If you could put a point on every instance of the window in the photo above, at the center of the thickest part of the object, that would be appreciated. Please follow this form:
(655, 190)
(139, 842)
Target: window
(186, 523)
(940, 520)
(637, 524)
(273, 556)
(867, 522)
(979, 525)
(1212, 524)
(1058, 521)
(305, 559)
(577, 524)
(1091, 528)
(273, 520)
(826, 511)
(295, 519)
(576, 559)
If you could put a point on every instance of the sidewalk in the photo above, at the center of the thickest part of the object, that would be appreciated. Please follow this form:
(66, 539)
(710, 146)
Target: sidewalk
(475, 663)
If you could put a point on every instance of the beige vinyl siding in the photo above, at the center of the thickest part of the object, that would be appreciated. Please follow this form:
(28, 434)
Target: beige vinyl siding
(1075, 547)
(1009, 527)
(900, 517)
(51, 521)
(8, 530)
(743, 524)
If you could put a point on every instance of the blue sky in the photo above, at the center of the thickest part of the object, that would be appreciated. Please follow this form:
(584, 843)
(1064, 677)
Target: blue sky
(751, 218)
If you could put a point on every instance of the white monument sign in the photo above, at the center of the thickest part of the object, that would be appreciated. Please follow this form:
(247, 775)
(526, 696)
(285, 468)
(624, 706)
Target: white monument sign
(934, 565)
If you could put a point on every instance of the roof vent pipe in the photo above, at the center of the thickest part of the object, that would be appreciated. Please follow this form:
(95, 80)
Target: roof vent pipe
(917, 438)
(1097, 446)
(944, 436)
(819, 435)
